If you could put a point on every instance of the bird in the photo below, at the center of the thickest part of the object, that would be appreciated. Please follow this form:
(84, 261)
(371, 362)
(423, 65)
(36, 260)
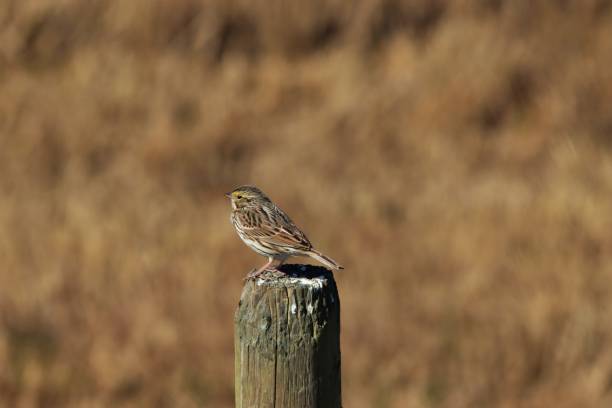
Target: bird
(269, 231)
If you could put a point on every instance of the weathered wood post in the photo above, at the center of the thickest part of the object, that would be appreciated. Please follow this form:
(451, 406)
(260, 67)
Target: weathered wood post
(287, 341)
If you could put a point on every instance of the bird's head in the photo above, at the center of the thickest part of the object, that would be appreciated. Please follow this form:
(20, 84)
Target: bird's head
(244, 196)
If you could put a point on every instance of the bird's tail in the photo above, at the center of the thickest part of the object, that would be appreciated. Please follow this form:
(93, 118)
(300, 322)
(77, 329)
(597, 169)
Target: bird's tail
(325, 260)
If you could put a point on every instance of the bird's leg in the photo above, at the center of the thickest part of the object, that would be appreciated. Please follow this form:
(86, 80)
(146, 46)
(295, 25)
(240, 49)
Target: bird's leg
(254, 274)
(281, 261)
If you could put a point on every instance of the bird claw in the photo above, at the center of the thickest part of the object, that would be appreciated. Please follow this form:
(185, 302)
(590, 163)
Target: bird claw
(252, 275)
(265, 274)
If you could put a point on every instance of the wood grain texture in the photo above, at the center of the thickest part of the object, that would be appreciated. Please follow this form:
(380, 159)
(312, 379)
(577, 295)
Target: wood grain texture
(287, 341)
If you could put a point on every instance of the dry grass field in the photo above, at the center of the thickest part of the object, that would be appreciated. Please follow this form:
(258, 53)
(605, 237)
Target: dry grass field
(454, 155)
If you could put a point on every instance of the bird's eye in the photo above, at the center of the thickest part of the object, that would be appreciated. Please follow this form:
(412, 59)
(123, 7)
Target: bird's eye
(239, 196)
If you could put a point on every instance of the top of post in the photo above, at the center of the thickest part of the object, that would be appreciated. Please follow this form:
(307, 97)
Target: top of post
(295, 275)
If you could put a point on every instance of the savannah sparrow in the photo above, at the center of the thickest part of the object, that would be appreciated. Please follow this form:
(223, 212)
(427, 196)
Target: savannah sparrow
(267, 230)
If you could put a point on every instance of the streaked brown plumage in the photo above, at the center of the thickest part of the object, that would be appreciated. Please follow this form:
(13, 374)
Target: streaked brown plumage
(267, 230)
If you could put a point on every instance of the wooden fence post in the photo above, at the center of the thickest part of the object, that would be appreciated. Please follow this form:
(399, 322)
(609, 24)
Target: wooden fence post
(287, 341)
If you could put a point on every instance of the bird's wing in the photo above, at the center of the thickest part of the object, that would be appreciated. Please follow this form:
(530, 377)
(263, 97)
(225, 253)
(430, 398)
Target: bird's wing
(274, 227)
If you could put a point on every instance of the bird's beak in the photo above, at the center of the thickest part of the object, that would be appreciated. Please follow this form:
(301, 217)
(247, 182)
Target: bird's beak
(228, 194)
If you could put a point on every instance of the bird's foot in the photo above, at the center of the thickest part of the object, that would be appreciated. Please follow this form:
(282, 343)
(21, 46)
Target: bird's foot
(264, 274)
(253, 274)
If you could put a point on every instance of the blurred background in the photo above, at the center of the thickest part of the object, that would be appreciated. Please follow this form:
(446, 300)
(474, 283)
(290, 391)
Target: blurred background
(454, 155)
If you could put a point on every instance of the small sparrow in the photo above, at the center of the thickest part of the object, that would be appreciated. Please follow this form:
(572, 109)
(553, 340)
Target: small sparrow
(267, 230)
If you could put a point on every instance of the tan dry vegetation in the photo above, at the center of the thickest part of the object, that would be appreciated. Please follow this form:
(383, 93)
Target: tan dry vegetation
(456, 156)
